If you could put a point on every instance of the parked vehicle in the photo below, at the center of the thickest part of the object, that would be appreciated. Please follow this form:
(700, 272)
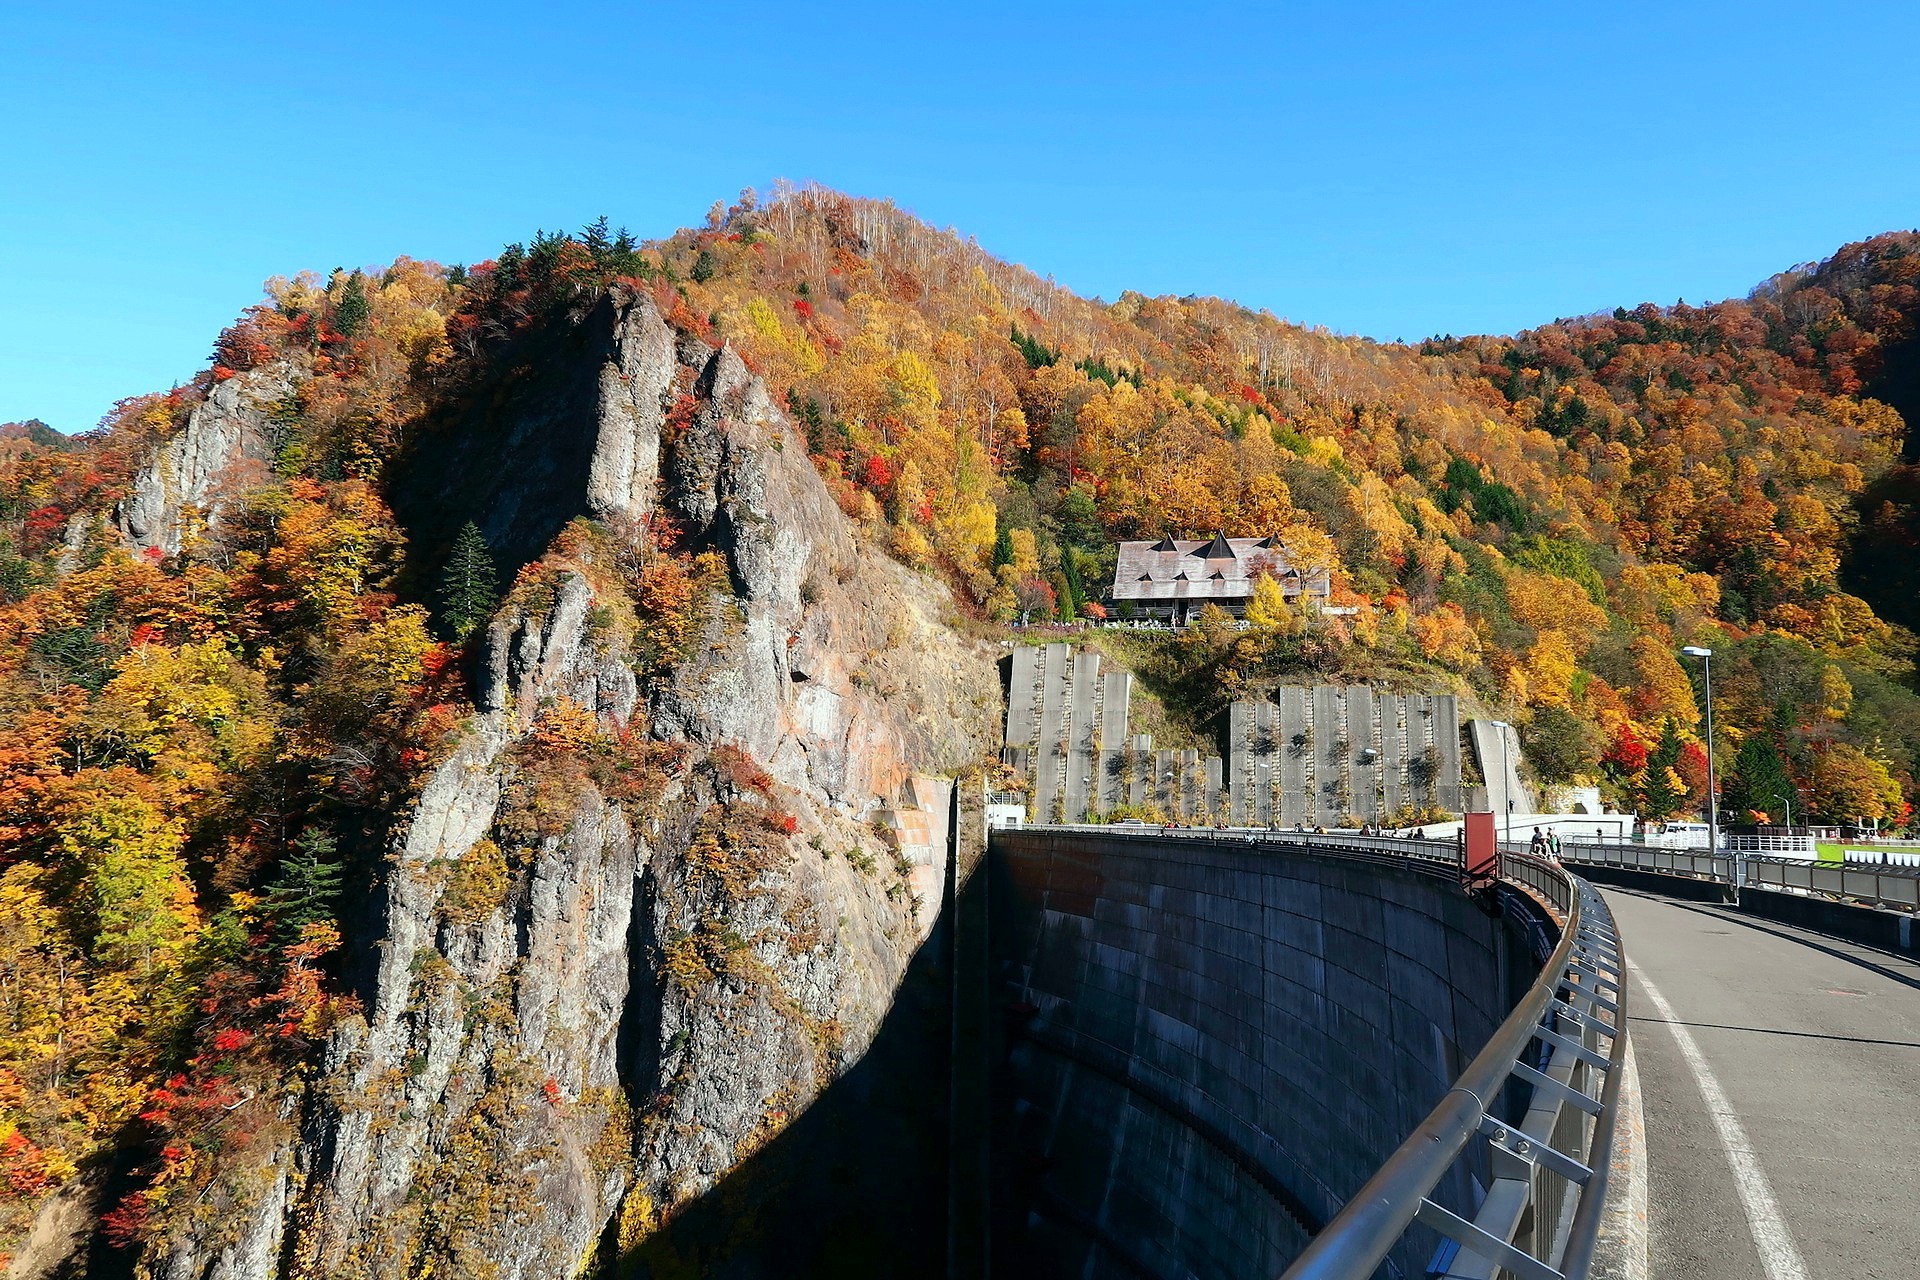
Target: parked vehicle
(1678, 835)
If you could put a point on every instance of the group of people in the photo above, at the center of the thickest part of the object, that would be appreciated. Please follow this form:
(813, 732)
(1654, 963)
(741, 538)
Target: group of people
(1545, 843)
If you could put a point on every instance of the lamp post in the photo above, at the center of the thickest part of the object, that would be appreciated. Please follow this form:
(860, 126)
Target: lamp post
(1787, 800)
(1506, 768)
(1713, 799)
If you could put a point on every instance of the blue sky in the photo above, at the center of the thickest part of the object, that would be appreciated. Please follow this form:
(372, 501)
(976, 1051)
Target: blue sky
(1387, 169)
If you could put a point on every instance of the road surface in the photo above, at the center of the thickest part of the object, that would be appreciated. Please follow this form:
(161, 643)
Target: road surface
(1781, 1074)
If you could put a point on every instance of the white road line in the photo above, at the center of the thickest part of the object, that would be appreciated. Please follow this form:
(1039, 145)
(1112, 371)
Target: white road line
(1764, 1219)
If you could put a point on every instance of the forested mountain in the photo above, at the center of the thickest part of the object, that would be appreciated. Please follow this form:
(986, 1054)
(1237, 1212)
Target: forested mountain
(1544, 518)
(488, 549)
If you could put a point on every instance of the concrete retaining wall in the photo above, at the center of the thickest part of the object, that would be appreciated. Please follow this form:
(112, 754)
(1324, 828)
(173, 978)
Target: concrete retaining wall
(1209, 1048)
(1319, 756)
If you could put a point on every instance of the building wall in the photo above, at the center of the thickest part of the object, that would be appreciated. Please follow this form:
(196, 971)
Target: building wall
(1214, 1046)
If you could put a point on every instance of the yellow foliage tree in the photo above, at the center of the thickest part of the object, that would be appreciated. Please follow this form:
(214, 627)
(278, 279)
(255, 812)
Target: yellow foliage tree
(1661, 687)
(1445, 636)
(1268, 610)
(186, 714)
(134, 891)
(1547, 601)
(1550, 667)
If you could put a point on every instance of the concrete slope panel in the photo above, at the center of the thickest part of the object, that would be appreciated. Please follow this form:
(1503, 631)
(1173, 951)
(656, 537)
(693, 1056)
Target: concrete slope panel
(1294, 738)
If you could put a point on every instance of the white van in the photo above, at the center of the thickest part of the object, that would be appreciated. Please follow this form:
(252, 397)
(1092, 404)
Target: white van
(1679, 835)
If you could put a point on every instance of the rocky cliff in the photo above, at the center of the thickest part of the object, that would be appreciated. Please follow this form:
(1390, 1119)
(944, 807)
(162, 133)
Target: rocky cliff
(645, 910)
(190, 479)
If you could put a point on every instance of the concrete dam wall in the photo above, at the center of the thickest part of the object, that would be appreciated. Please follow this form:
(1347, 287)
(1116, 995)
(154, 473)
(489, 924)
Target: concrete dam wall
(1209, 1047)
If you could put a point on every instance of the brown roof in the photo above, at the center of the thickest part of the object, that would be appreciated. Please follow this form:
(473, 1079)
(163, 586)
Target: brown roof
(1213, 568)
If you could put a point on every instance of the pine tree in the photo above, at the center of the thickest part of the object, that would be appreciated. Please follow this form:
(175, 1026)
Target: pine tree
(1661, 790)
(351, 315)
(1076, 593)
(467, 587)
(1002, 548)
(597, 239)
(309, 882)
(1760, 782)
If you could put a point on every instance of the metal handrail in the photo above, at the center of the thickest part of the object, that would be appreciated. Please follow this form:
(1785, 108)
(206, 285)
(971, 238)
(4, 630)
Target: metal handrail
(1364, 1232)
(1584, 1235)
(1564, 1009)
(1893, 887)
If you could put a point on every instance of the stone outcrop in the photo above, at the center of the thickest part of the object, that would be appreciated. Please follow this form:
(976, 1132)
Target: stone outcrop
(193, 475)
(541, 1079)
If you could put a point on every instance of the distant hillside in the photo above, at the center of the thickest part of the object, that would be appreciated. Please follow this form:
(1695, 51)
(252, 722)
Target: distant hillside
(33, 432)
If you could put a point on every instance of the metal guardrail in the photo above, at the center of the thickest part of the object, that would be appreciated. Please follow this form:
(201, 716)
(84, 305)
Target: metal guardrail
(1562, 1046)
(1556, 1058)
(1701, 865)
(1897, 888)
(1892, 887)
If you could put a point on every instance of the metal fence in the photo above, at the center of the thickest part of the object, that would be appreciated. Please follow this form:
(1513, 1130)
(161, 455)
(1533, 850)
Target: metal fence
(1895, 888)
(1699, 865)
(1560, 1054)
(1541, 1095)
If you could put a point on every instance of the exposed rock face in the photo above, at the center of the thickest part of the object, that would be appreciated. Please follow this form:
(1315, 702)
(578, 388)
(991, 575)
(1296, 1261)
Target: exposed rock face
(193, 474)
(539, 1080)
(634, 389)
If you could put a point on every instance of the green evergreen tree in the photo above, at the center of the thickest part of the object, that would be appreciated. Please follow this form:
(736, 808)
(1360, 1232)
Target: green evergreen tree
(597, 238)
(1560, 745)
(1076, 594)
(308, 884)
(1760, 781)
(1659, 797)
(1002, 548)
(468, 591)
(1079, 517)
(351, 315)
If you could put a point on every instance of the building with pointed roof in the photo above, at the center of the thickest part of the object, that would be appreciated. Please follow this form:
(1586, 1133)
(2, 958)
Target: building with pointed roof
(1172, 579)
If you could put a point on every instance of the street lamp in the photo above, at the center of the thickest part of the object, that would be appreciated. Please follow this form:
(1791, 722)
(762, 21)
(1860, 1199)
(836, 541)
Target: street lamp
(1787, 800)
(1506, 769)
(1713, 800)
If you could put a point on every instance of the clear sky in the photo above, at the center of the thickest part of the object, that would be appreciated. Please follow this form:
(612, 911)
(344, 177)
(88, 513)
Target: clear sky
(1387, 169)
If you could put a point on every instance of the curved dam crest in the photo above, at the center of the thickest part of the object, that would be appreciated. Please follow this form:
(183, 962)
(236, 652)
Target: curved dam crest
(1209, 1047)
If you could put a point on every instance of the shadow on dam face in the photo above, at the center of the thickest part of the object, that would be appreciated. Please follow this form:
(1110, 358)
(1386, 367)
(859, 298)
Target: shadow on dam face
(1171, 1058)
(1206, 1047)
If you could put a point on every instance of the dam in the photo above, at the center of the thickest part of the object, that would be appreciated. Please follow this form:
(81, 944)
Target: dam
(1208, 1046)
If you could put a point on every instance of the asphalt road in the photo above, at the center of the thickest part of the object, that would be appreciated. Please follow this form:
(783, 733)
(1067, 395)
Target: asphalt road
(1811, 1050)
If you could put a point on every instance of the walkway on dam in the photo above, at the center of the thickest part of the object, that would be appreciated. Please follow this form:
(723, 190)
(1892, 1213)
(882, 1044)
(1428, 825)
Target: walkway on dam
(1781, 1074)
